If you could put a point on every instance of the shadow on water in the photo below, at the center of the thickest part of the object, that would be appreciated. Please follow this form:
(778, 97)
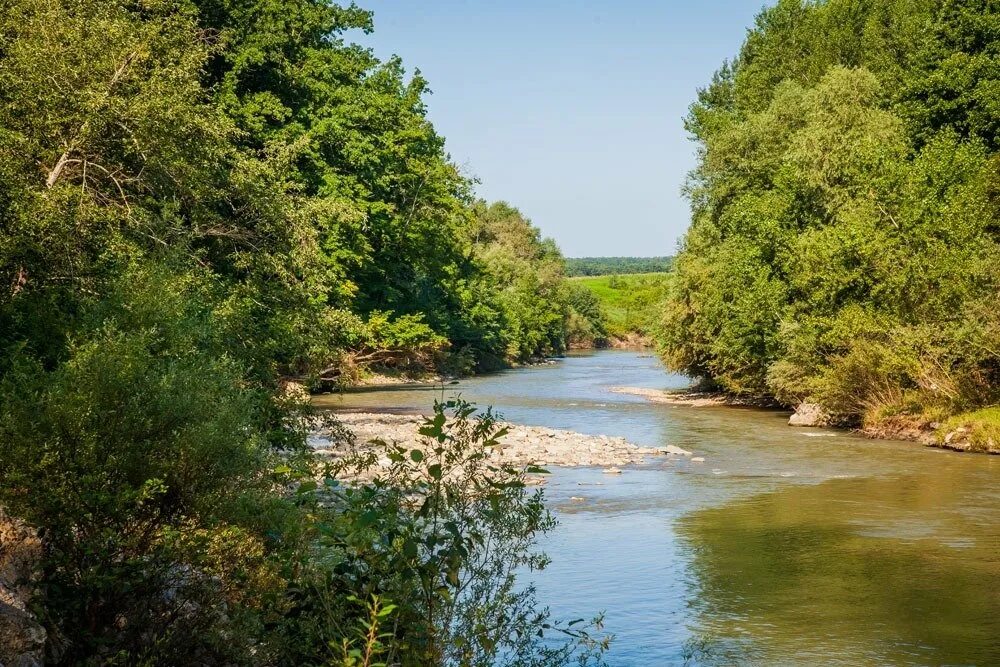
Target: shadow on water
(848, 572)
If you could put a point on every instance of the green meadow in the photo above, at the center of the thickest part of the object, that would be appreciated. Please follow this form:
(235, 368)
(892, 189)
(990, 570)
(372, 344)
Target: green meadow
(630, 301)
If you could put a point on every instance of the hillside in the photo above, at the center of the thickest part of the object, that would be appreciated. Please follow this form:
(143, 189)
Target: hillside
(630, 302)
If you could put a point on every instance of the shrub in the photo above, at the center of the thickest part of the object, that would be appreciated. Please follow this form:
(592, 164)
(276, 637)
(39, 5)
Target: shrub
(129, 456)
(438, 538)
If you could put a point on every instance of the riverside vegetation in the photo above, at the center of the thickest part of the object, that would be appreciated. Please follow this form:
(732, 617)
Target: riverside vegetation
(199, 201)
(206, 204)
(845, 243)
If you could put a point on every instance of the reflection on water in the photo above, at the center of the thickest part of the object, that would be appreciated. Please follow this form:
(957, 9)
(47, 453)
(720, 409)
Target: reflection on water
(782, 548)
(853, 571)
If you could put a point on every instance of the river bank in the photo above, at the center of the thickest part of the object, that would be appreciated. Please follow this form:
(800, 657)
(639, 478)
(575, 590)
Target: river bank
(385, 377)
(972, 433)
(956, 434)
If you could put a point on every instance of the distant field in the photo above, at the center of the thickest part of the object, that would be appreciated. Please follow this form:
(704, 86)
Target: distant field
(630, 301)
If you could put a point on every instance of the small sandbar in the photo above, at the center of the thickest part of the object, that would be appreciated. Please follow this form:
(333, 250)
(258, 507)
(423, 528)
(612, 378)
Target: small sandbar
(694, 399)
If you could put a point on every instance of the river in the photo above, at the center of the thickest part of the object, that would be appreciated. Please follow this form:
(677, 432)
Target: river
(785, 547)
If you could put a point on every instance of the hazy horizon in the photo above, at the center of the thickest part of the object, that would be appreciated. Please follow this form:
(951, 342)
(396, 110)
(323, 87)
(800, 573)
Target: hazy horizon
(570, 111)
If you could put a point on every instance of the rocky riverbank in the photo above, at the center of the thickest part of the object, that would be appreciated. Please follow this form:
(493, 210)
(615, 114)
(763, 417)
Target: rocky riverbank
(521, 446)
(931, 434)
(22, 637)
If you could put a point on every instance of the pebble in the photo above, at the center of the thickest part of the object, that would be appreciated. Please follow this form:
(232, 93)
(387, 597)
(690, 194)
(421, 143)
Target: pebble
(521, 446)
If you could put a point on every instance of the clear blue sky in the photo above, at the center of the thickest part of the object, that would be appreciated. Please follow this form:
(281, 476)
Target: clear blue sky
(570, 110)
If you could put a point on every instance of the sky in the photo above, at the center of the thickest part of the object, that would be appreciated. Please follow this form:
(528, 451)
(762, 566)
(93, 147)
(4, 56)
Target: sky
(570, 110)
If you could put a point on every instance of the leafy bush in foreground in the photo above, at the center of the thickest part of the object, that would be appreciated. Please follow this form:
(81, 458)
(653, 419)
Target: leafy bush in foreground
(439, 539)
(135, 458)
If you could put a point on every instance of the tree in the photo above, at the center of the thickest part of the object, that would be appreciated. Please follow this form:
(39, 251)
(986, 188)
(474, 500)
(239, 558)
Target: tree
(842, 223)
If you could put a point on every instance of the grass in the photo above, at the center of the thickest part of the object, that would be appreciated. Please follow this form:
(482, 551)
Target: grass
(630, 301)
(982, 428)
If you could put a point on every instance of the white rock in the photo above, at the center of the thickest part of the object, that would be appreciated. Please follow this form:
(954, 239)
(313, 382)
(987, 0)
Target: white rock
(809, 414)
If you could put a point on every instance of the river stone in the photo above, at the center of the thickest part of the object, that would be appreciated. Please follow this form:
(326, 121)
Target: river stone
(677, 451)
(809, 414)
(522, 446)
(22, 637)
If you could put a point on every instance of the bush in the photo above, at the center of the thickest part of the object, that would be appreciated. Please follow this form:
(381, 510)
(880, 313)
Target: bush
(431, 549)
(131, 456)
(981, 429)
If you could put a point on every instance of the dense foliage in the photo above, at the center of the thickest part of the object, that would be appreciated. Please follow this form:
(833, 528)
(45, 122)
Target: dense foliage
(845, 244)
(605, 266)
(523, 285)
(200, 199)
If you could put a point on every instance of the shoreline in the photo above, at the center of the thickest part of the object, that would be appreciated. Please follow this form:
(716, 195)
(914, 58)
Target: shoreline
(386, 378)
(695, 399)
(955, 440)
(906, 430)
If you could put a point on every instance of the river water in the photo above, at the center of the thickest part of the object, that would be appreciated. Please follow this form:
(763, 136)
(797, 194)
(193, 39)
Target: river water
(785, 547)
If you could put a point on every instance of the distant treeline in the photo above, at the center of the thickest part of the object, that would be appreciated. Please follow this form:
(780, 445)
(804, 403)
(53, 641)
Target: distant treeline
(605, 266)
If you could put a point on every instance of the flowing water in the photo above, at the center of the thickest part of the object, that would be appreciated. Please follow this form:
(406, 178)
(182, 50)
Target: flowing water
(785, 547)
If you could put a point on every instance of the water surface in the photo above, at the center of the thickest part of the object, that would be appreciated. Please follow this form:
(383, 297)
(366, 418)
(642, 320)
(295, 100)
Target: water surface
(785, 547)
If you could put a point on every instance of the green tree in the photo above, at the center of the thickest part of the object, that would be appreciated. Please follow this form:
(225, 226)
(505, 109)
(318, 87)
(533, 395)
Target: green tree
(524, 274)
(842, 223)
